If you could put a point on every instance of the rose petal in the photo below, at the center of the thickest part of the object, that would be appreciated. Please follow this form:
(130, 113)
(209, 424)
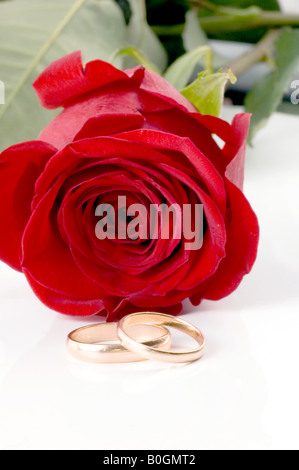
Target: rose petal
(215, 125)
(241, 249)
(63, 303)
(108, 124)
(205, 169)
(197, 128)
(65, 83)
(204, 262)
(122, 99)
(47, 258)
(20, 166)
(66, 79)
(157, 86)
(236, 148)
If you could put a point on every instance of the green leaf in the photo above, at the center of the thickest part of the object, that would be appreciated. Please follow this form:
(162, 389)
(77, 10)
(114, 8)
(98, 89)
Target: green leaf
(206, 93)
(33, 33)
(180, 72)
(267, 94)
(194, 36)
(141, 37)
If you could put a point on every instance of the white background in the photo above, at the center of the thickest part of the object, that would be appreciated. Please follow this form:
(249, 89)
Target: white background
(242, 395)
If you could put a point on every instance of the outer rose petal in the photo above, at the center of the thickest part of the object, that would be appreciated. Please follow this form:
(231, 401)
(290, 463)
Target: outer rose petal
(215, 125)
(47, 258)
(20, 166)
(99, 89)
(62, 303)
(236, 148)
(241, 249)
(122, 99)
(66, 79)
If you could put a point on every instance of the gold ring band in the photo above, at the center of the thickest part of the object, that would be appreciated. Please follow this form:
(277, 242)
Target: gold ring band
(162, 320)
(88, 343)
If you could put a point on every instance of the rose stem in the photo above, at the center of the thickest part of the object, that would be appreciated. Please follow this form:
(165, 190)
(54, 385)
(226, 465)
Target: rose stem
(258, 53)
(232, 19)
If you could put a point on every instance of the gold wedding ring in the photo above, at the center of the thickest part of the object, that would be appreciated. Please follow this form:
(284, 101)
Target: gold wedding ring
(148, 352)
(90, 343)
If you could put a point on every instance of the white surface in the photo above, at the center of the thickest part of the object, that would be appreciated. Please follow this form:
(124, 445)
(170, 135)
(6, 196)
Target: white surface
(242, 395)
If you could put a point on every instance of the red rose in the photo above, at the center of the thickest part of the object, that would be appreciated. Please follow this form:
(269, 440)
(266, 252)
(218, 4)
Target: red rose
(123, 134)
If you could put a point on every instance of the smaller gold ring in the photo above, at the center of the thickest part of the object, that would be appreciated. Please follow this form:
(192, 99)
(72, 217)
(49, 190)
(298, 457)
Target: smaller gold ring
(162, 320)
(90, 343)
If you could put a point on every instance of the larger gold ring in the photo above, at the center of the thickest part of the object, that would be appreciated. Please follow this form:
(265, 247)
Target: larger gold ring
(91, 343)
(158, 354)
